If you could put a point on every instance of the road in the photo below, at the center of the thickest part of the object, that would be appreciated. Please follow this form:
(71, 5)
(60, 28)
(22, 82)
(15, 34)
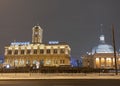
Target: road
(56, 82)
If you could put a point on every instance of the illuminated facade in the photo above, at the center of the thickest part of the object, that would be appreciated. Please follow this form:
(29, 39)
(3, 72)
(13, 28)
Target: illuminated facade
(102, 56)
(20, 54)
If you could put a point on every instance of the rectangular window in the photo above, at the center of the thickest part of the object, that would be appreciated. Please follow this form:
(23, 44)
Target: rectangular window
(48, 51)
(62, 51)
(22, 51)
(9, 52)
(16, 52)
(28, 51)
(62, 61)
(35, 51)
(55, 62)
(41, 51)
(55, 51)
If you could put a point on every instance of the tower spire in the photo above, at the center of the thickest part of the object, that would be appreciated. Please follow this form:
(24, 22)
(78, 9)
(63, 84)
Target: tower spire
(102, 37)
(101, 28)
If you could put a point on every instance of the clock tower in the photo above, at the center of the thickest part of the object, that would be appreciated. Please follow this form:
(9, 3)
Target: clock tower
(37, 34)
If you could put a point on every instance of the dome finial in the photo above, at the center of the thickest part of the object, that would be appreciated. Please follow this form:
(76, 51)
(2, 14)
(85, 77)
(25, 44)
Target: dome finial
(102, 37)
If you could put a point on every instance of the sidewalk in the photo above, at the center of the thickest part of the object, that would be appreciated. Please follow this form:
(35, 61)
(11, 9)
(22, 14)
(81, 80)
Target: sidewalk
(13, 76)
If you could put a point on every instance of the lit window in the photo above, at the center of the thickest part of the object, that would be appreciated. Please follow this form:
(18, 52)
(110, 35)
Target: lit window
(102, 60)
(62, 61)
(16, 52)
(9, 52)
(118, 59)
(108, 59)
(16, 62)
(62, 51)
(108, 62)
(48, 62)
(22, 51)
(22, 62)
(48, 51)
(55, 51)
(35, 51)
(97, 63)
(41, 62)
(28, 51)
(41, 51)
(113, 59)
(97, 59)
(28, 62)
(34, 62)
(55, 62)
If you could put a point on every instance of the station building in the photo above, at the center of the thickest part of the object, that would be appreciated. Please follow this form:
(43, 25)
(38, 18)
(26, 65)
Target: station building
(21, 54)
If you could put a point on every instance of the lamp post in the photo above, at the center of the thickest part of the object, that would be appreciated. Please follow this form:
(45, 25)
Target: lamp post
(113, 37)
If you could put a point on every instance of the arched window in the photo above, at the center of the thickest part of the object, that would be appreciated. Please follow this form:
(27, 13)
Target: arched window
(97, 60)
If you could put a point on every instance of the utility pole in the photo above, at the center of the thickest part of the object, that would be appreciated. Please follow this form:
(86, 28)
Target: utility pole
(114, 46)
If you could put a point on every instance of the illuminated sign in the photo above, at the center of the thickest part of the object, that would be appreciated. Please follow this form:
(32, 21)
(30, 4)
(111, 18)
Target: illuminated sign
(53, 42)
(20, 43)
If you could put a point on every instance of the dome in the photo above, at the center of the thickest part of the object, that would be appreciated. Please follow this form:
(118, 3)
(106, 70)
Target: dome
(103, 47)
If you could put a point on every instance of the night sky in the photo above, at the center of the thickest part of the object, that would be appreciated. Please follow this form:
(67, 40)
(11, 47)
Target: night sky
(76, 22)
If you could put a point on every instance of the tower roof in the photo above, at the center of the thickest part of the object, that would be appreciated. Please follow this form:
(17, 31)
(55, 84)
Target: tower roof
(37, 27)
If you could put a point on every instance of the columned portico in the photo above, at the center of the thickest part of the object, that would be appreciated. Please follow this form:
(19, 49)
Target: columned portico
(107, 62)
